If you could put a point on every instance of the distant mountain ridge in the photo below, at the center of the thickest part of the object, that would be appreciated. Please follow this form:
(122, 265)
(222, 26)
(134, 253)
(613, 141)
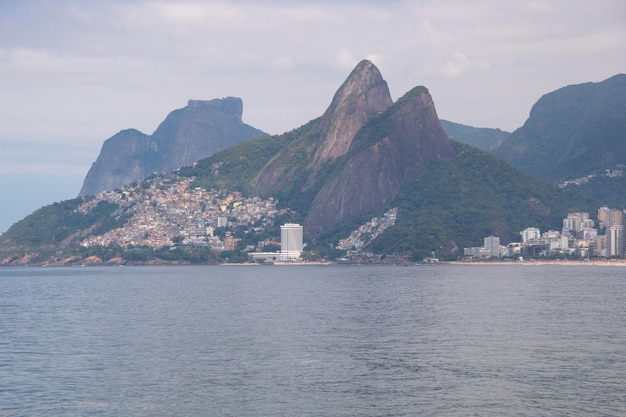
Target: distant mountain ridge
(572, 132)
(487, 139)
(185, 136)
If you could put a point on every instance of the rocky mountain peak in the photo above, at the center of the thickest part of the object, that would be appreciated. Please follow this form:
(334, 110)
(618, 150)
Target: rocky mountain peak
(229, 106)
(186, 135)
(362, 96)
(390, 151)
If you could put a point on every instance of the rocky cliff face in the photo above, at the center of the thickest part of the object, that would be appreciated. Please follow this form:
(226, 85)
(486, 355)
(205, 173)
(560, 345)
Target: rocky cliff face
(358, 154)
(363, 96)
(386, 154)
(122, 160)
(185, 136)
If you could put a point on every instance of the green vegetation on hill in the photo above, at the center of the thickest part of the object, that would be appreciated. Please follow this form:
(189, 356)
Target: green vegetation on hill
(444, 205)
(607, 191)
(455, 204)
(461, 200)
(52, 224)
(572, 132)
(235, 167)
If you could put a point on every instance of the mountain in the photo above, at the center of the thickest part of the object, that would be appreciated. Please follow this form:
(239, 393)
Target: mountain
(185, 136)
(364, 156)
(398, 157)
(360, 98)
(460, 200)
(487, 139)
(389, 152)
(356, 156)
(573, 132)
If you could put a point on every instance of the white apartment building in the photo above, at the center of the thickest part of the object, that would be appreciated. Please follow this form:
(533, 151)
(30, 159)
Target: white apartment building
(530, 233)
(291, 242)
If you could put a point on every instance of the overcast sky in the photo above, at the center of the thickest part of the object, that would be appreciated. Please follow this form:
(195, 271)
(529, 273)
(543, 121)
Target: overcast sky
(75, 72)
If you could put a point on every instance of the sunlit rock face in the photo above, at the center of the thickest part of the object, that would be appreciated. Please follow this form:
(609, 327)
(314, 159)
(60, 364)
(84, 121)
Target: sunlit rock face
(390, 151)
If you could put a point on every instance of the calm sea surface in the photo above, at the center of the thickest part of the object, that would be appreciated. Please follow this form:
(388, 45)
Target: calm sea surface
(313, 341)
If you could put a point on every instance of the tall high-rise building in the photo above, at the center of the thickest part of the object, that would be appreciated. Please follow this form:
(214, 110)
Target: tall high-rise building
(617, 217)
(612, 221)
(615, 240)
(610, 217)
(291, 241)
(230, 243)
(492, 245)
(604, 213)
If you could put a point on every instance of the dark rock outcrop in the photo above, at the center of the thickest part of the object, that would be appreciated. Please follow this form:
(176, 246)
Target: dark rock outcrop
(185, 136)
(123, 159)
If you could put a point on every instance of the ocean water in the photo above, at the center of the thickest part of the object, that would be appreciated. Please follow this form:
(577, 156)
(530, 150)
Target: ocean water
(313, 341)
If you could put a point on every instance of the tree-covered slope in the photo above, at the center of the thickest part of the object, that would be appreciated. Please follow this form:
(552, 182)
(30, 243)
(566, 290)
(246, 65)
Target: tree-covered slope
(572, 132)
(608, 189)
(461, 200)
(483, 138)
(234, 168)
(50, 226)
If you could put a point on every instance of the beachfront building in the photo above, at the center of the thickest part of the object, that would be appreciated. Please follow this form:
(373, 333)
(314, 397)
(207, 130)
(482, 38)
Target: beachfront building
(529, 234)
(491, 249)
(291, 243)
(492, 245)
(615, 240)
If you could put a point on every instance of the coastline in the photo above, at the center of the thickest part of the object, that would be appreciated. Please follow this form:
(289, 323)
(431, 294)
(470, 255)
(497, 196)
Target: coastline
(391, 261)
(535, 262)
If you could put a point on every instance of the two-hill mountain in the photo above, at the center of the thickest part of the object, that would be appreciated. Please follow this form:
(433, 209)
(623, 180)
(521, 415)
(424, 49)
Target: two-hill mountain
(366, 153)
